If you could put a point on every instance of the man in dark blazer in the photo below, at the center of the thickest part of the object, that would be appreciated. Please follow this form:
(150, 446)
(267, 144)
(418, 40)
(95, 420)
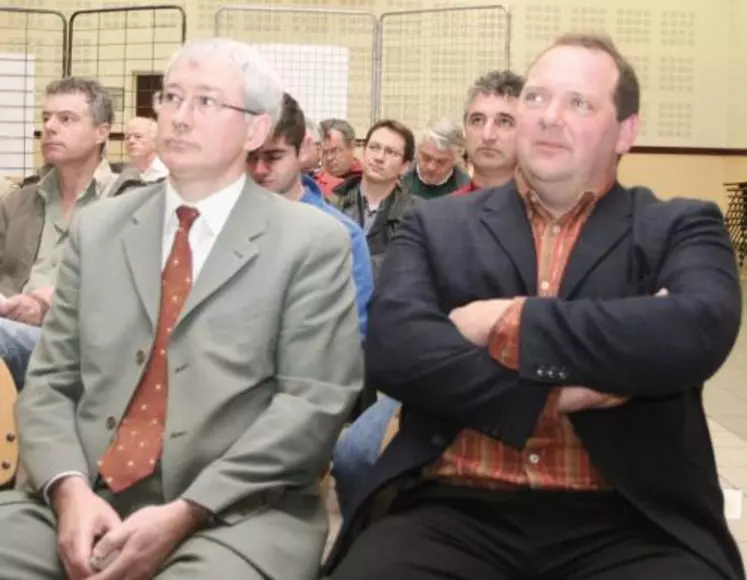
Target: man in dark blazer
(549, 341)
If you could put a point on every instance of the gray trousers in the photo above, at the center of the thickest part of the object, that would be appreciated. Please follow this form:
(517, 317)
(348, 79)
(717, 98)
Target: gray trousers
(28, 540)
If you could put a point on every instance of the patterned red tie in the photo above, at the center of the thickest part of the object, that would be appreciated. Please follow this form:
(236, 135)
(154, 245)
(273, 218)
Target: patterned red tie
(137, 446)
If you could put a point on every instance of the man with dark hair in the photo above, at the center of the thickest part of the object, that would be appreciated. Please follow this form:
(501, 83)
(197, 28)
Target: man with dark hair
(551, 364)
(338, 155)
(376, 200)
(76, 119)
(277, 167)
(489, 129)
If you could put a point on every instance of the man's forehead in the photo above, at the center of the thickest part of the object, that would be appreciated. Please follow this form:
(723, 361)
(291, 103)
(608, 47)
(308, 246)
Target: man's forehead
(75, 102)
(430, 149)
(276, 145)
(574, 67)
(491, 104)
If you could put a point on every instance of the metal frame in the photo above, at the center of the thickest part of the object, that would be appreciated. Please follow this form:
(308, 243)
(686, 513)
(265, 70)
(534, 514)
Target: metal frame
(379, 52)
(126, 9)
(376, 33)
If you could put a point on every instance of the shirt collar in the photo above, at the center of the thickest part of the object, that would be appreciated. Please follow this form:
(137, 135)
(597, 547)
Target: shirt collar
(214, 209)
(535, 206)
(102, 178)
(156, 170)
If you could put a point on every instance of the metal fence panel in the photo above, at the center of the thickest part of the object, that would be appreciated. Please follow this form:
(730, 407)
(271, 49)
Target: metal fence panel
(429, 58)
(324, 57)
(126, 49)
(32, 50)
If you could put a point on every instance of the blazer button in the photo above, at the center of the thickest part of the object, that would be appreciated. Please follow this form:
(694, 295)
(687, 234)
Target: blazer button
(140, 357)
(111, 422)
(438, 440)
(563, 374)
(552, 373)
(541, 372)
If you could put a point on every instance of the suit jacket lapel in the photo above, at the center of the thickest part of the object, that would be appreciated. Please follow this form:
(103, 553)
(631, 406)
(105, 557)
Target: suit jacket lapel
(505, 217)
(143, 242)
(234, 247)
(610, 220)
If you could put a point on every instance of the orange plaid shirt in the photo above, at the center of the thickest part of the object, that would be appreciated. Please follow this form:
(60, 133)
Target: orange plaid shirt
(554, 457)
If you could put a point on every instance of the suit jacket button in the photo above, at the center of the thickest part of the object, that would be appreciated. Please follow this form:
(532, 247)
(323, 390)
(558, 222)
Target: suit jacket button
(541, 372)
(552, 373)
(140, 357)
(111, 422)
(438, 440)
(563, 374)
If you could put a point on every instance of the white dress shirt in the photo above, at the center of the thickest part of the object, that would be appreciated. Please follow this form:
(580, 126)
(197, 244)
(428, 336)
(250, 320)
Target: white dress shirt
(155, 171)
(214, 211)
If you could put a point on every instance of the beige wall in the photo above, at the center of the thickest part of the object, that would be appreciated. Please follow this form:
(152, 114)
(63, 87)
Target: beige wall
(682, 50)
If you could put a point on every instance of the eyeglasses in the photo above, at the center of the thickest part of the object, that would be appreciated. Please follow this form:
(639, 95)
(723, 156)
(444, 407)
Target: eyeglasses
(202, 104)
(388, 151)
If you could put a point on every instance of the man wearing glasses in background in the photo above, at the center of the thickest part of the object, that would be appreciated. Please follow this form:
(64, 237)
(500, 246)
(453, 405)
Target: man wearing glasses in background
(377, 200)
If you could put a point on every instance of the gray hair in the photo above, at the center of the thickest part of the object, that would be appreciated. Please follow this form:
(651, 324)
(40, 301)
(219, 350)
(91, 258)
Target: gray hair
(341, 125)
(444, 134)
(313, 128)
(98, 98)
(501, 83)
(263, 91)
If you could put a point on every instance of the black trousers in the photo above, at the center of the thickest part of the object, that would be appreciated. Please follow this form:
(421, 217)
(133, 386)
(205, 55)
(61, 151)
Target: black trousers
(443, 532)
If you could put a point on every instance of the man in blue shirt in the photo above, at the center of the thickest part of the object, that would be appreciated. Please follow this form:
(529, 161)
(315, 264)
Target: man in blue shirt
(277, 167)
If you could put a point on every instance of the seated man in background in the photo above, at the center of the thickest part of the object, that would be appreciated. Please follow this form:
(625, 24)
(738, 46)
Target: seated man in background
(437, 171)
(490, 131)
(76, 118)
(311, 150)
(338, 155)
(549, 341)
(197, 363)
(277, 167)
(140, 144)
(376, 200)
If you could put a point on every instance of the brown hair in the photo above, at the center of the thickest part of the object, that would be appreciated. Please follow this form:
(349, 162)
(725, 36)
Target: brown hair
(396, 127)
(627, 94)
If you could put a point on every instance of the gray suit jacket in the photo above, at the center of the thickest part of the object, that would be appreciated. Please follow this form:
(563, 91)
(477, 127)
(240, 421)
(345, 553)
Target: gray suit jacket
(264, 364)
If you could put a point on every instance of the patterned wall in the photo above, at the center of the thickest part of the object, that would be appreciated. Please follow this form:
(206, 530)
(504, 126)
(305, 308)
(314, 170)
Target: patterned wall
(691, 56)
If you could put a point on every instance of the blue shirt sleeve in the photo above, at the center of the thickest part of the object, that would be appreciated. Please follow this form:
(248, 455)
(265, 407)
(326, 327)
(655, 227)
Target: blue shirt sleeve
(363, 276)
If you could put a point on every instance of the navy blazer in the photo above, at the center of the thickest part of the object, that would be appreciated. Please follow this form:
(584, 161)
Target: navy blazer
(606, 330)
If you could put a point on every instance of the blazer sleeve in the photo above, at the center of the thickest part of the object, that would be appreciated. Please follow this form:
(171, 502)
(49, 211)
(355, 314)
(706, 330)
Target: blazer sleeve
(645, 346)
(46, 408)
(319, 373)
(415, 354)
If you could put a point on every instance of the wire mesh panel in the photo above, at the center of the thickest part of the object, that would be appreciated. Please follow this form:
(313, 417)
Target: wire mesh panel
(429, 58)
(325, 58)
(126, 50)
(32, 50)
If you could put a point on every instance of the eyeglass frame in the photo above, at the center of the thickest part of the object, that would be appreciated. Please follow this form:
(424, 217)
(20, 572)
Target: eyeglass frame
(389, 152)
(157, 96)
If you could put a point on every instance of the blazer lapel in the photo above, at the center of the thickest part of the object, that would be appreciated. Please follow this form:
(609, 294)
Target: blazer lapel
(143, 243)
(505, 217)
(608, 223)
(234, 247)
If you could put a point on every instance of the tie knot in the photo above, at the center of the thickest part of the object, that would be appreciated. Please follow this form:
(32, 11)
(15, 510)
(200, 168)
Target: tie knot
(187, 216)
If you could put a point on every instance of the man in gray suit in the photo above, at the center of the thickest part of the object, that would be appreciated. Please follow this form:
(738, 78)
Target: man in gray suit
(197, 363)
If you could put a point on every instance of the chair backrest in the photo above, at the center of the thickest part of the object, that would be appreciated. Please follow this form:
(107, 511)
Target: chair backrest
(8, 434)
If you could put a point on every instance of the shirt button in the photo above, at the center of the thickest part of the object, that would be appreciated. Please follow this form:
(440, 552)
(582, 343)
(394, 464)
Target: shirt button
(140, 357)
(556, 230)
(534, 459)
(545, 285)
(110, 423)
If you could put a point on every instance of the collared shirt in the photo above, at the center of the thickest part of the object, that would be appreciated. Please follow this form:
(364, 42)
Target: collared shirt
(55, 231)
(554, 456)
(214, 211)
(155, 171)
